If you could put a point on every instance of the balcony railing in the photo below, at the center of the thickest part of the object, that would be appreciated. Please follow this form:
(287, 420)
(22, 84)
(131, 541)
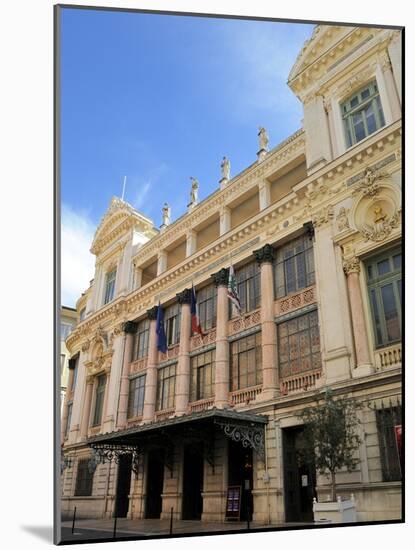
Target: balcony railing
(245, 396)
(299, 382)
(201, 405)
(138, 365)
(164, 414)
(389, 357)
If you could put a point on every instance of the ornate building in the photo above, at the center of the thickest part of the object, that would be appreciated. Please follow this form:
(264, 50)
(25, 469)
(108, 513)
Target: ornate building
(68, 319)
(313, 230)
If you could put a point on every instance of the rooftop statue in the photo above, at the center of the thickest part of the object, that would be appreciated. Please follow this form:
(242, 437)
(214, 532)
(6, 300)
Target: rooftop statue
(166, 213)
(263, 139)
(194, 191)
(226, 168)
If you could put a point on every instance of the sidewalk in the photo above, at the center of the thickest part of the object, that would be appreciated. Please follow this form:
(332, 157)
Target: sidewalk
(103, 528)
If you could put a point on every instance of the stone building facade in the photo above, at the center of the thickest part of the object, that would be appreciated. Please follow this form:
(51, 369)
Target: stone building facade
(68, 320)
(313, 231)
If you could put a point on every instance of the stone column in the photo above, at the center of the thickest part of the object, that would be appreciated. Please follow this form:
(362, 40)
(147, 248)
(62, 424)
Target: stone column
(87, 407)
(363, 363)
(106, 393)
(335, 327)
(71, 369)
(264, 189)
(222, 346)
(130, 329)
(270, 381)
(161, 262)
(138, 277)
(150, 394)
(183, 364)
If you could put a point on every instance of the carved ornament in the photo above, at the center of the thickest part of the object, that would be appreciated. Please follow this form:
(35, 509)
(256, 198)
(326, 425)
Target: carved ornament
(323, 216)
(220, 278)
(264, 254)
(351, 265)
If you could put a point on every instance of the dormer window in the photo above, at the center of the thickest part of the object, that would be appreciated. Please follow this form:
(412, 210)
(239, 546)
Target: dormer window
(110, 285)
(362, 114)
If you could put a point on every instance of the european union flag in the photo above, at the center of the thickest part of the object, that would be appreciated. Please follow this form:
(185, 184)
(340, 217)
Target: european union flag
(161, 334)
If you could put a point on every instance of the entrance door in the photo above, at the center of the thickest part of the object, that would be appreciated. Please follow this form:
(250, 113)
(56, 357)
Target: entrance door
(123, 486)
(192, 483)
(240, 473)
(299, 479)
(155, 481)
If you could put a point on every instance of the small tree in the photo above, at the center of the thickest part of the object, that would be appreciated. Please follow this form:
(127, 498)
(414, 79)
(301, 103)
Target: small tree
(330, 439)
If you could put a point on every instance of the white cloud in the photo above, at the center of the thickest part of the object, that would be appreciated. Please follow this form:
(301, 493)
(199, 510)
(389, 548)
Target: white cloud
(141, 194)
(77, 263)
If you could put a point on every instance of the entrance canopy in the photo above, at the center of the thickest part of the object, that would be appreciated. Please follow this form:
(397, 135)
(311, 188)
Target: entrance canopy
(244, 427)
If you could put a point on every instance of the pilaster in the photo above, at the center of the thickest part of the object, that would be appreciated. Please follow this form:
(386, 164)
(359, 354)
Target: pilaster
(183, 363)
(150, 394)
(161, 262)
(128, 340)
(222, 346)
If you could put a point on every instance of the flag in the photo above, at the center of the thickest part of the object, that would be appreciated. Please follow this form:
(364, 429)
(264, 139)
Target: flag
(233, 290)
(161, 334)
(194, 311)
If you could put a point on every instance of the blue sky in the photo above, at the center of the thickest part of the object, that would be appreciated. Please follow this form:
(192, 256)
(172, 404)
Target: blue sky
(161, 98)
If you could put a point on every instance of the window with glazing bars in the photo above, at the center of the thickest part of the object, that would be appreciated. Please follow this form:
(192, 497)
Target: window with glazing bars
(99, 399)
(362, 114)
(136, 396)
(172, 324)
(387, 419)
(299, 345)
(84, 479)
(166, 381)
(68, 421)
(140, 347)
(246, 362)
(384, 279)
(294, 266)
(249, 288)
(73, 363)
(202, 382)
(206, 300)
(110, 285)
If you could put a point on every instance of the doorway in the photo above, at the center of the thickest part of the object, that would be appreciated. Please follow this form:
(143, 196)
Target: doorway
(240, 472)
(155, 482)
(123, 486)
(299, 478)
(192, 482)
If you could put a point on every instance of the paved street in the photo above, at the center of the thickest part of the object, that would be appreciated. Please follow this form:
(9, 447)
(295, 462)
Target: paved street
(103, 529)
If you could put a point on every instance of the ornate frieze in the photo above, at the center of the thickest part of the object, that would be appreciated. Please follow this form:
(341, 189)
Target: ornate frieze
(295, 301)
(351, 265)
(220, 278)
(264, 254)
(369, 184)
(342, 219)
(323, 216)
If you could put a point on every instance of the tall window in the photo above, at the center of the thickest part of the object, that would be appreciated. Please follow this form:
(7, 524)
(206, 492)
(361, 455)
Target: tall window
(206, 299)
(166, 381)
(68, 422)
(172, 324)
(249, 286)
(384, 277)
(140, 348)
(294, 266)
(246, 362)
(99, 399)
(387, 421)
(299, 345)
(73, 364)
(84, 479)
(202, 383)
(110, 285)
(362, 114)
(136, 396)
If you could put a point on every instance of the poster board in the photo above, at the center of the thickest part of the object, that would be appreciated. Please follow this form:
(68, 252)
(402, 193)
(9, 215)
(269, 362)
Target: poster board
(233, 502)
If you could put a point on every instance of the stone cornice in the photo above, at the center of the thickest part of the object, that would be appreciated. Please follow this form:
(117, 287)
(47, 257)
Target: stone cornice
(328, 185)
(278, 157)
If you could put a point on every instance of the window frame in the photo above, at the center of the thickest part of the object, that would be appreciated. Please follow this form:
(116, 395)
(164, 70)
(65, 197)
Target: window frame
(248, 283)
(207, 306)
(245, 361)
(110, 280)
(374, 285)
(172, 316)
(136, 396)
(288, 252)
(166, 387)
(68, 419)
(84, 479)
(290, 339)
(141, 340)
(386, 420)
(348, 111)
(202, 368)
(99, 400)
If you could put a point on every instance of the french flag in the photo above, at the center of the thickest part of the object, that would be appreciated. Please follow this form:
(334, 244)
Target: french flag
(194, 311)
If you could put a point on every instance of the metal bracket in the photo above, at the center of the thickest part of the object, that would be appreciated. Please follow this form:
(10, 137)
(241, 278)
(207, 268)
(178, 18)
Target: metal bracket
(249, 435)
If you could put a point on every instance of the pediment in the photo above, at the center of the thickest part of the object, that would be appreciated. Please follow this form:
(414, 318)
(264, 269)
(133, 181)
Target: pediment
(119, 219)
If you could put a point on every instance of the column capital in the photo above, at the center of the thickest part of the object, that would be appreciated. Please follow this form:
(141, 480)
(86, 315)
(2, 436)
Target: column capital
(351, 265)
(152, 313)
(129, 327)
(221, 277)
(265, 254)
(185, 296)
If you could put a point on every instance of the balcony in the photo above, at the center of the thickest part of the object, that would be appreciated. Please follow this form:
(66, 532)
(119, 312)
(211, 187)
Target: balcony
(389, 357)
(300, 382)
(245, 396)
(201, 405)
